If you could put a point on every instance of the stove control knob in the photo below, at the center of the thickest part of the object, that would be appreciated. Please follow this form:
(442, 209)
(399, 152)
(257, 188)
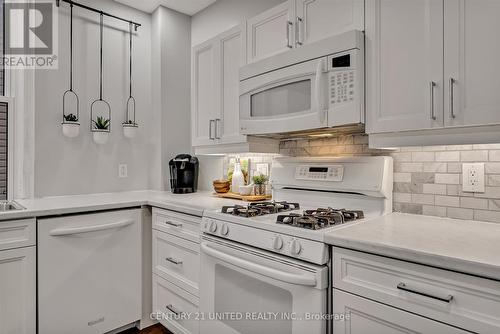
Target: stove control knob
(224, 230)
(295, 247)
(213, 227)
(277, 242)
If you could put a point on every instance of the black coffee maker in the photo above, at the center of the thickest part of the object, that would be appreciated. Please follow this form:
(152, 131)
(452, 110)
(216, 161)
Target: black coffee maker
(184, 174)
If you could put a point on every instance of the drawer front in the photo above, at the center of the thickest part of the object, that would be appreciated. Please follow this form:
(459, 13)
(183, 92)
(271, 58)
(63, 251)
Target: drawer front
(461, 300)
(363, 316)
(178, 224)
(17, 233)
(174, 308)
(177, 260)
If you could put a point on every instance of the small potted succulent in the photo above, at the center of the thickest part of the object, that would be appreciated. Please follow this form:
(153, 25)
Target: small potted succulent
(259, 182)
(101, 130)
(70, 125)
(130, 128)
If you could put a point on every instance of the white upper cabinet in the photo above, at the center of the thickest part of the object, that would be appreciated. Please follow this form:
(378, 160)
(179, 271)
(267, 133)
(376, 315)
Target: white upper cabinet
(298, 22)
(203, 101)
(232, 56)
(404, 63)
(472, 53)
(318, 19)
(271, 32)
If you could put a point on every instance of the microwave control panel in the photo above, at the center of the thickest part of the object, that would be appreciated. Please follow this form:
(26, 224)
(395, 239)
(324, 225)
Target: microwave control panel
(342, 78)
(332, 173)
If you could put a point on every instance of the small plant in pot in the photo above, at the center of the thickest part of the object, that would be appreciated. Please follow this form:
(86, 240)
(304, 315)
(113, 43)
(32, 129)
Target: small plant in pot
(130, 128)
(101, 129)
(259, 182)
(70, 125)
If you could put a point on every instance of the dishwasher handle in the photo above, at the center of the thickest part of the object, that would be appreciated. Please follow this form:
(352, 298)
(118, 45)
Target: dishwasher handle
(59, 232)
(296, 279)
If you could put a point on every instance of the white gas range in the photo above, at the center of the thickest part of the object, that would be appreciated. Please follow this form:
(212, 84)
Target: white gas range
(269, 258)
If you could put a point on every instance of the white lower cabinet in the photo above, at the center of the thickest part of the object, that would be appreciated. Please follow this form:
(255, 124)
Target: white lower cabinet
(175, 308)
(18, 291)
(461, 301)
(365, 316)
(176, 268)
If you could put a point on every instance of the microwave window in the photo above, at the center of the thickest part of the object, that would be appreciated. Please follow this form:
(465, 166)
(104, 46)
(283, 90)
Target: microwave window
(291, 98)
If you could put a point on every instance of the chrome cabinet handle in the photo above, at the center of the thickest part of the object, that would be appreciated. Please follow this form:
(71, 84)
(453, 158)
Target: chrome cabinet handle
(432, 84)
(210, 129)
(298, 30)
(404, 287)
(288, 25)
(452, 107)
(174, 261)
(172, 309)
(217, 128)
(171, 223)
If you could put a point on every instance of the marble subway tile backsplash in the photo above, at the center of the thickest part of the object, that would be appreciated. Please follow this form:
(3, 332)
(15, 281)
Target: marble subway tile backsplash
(428, 180)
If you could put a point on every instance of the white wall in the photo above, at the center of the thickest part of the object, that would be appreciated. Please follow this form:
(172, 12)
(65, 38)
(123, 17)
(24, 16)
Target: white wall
(78, 166)
(225, 14)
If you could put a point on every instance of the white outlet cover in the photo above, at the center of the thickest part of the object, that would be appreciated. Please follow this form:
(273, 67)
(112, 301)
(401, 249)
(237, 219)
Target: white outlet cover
(122, 171)
(473, 178)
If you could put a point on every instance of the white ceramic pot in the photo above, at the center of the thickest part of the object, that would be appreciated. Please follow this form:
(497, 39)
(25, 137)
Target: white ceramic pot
(100, 136)
(246, 190)
(129, 130)
(71, 129)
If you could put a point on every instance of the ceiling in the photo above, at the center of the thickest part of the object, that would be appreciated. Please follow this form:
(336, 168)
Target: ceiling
(189, 7)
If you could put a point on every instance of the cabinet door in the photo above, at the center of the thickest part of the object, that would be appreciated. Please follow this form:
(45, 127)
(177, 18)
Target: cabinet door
(472, 53)
(271, 32)
(232, 57)
(204, 93)
(318, 19)
(366, 316)
(18, 291)
(404, 48)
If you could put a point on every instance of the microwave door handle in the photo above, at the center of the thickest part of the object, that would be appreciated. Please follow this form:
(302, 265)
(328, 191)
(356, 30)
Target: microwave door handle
(296, 279)
(318, 87)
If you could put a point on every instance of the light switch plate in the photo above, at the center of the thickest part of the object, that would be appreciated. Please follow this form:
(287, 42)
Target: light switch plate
(122, 171)
(473, 178)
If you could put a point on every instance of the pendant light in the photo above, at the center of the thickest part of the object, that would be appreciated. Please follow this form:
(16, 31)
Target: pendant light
(130, 126)
(100, 126)
(71, 122)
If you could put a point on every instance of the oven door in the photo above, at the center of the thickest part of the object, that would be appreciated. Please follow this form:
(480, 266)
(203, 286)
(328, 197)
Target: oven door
(285, 100)
(245, 290)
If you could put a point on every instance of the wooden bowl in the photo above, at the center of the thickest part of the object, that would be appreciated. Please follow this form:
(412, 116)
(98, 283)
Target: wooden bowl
(221, 186)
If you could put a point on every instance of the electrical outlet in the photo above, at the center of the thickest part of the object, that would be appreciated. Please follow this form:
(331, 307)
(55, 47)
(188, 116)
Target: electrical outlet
(122, 171)
(262, 169)
(473, 178)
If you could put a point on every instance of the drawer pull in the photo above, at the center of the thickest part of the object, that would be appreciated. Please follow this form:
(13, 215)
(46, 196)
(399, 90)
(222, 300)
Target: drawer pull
(172, 309)
(174, 261)
(404, 287)
(171, 223)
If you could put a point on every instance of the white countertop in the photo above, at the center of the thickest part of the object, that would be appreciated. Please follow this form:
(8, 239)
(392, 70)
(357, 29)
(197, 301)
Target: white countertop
(466, 246)
(193, 204)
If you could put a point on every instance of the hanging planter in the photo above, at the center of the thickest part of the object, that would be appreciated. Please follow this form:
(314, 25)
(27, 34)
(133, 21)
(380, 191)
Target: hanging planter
(130, 126)
(70, 123)
(101, 125)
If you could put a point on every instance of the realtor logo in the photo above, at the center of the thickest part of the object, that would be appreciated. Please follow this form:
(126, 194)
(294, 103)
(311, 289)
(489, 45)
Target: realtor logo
(30, 35)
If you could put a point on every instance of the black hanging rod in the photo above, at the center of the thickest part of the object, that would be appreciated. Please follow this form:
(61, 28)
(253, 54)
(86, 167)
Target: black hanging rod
(135, 24)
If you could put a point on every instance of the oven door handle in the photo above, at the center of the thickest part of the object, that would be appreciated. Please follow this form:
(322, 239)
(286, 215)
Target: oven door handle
(308, 280)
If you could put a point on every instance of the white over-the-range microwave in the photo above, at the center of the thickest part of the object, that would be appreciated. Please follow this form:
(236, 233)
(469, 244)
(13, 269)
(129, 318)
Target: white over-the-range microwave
(317, 86)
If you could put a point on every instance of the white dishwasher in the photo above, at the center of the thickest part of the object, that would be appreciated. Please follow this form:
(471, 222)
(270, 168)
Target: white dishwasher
(89, 272)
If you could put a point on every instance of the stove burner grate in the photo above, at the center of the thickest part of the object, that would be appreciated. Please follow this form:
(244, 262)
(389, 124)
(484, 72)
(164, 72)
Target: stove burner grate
(259, 208)
(320, 218)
